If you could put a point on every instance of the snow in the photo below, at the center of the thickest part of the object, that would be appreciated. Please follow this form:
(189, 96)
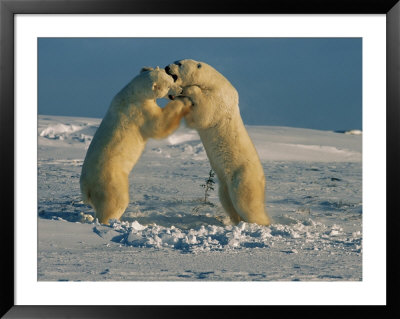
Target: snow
(168, 233)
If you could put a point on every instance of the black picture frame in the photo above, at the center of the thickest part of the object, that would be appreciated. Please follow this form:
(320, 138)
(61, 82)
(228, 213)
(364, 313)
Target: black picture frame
(8, 8)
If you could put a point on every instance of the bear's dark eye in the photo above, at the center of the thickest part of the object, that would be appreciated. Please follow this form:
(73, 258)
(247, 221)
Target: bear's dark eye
(199, 66)
(178, 63)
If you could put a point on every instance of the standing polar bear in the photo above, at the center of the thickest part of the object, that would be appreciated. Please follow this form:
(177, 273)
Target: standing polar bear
(215, 115)
(132, 118)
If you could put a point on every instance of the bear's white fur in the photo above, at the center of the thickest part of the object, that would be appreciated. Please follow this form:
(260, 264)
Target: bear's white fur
(132, 118)
(215, 115)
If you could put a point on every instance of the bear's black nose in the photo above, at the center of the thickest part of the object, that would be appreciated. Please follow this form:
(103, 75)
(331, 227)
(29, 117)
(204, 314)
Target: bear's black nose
(167, 69)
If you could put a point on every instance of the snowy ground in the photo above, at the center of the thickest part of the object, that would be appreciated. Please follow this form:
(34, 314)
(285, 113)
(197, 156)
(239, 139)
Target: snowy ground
(314, 196)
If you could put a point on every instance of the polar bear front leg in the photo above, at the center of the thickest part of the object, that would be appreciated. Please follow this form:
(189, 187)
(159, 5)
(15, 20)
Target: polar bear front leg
(169, 118)
(195, 94)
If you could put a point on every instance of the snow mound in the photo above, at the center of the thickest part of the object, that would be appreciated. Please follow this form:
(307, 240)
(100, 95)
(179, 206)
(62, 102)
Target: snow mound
(353, 132)
(77, 132)
(59, 130)
(316, 236)
(181, 137)
(350, 132)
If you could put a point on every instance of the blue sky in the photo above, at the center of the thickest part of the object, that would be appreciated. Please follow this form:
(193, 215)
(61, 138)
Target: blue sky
(299, 82)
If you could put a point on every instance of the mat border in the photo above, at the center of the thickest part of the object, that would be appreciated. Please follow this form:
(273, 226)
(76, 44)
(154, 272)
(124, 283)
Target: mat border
(8, 8)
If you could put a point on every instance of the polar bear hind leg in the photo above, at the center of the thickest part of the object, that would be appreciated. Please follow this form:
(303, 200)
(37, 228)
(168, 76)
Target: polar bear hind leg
(227, 203)
(247, 194)
(111, 199)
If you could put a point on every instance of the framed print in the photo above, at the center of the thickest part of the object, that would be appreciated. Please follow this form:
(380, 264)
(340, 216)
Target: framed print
(184, 228)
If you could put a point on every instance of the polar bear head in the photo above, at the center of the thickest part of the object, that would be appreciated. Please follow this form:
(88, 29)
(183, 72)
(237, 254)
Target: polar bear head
(214, 98)
(155, 84)
(190, 72)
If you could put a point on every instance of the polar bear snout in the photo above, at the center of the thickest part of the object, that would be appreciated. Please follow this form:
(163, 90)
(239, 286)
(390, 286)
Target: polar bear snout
(174, 91)
(173, 96)
(168, 71)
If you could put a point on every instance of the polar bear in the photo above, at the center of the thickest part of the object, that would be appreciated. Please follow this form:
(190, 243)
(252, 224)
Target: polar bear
(215, 115)
(131, 119)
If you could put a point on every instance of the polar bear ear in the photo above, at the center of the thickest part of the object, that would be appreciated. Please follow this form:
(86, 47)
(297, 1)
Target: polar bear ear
(154, 86)
(146, 68)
